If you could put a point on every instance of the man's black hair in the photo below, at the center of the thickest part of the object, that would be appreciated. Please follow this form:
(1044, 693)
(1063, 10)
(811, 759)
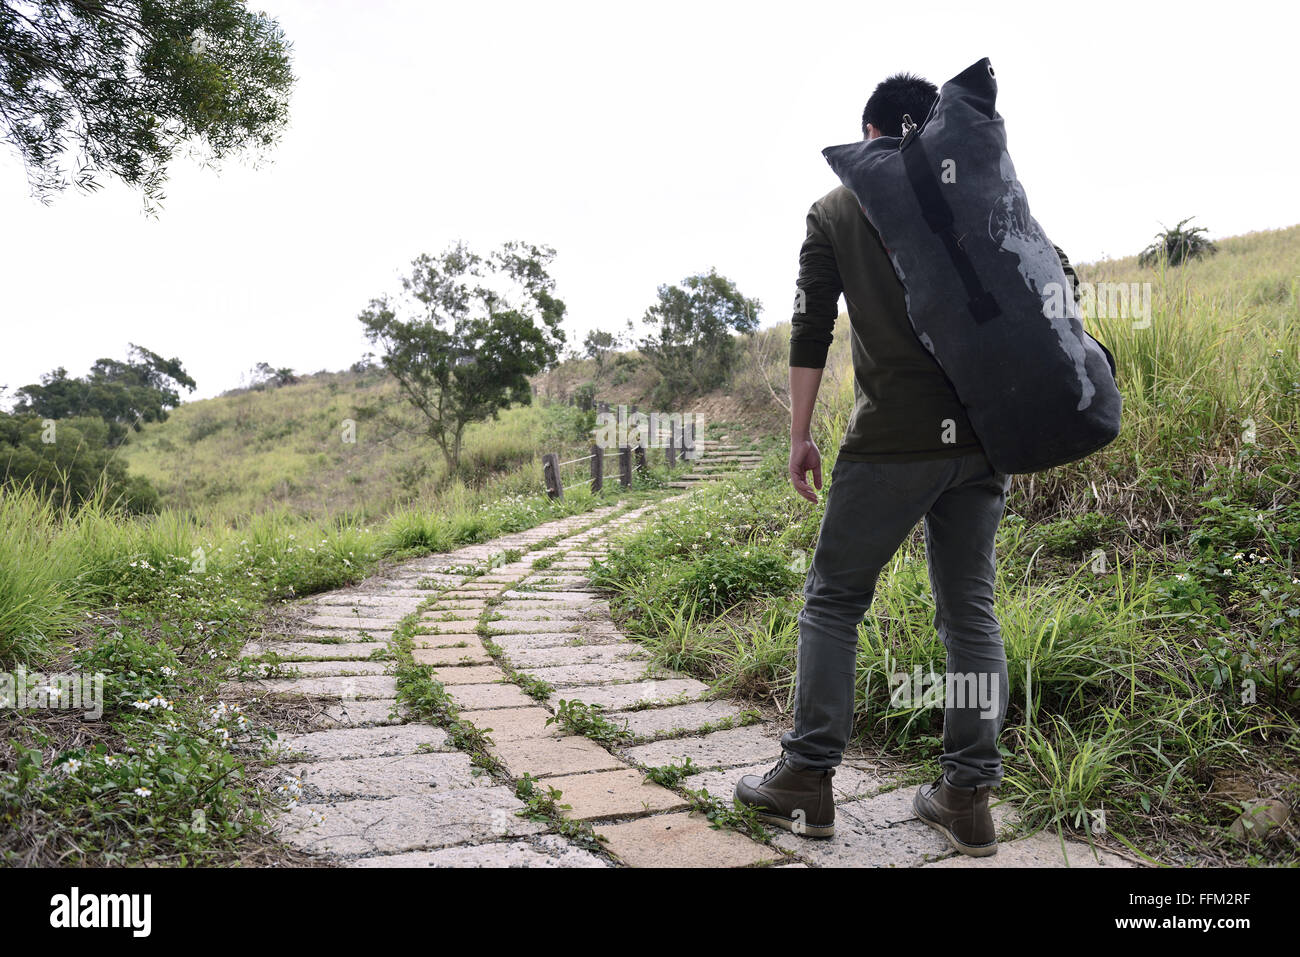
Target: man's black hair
(899, 94)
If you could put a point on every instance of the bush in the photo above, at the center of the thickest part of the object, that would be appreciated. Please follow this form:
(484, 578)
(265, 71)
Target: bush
(1176, 246)
(720, 579)
(71, 461)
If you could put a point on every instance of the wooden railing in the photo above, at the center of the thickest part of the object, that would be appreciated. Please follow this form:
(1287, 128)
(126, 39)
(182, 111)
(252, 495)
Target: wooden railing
(630, 459)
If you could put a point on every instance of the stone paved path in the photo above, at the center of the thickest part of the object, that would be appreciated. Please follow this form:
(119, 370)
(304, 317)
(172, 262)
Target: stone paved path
(377, 789)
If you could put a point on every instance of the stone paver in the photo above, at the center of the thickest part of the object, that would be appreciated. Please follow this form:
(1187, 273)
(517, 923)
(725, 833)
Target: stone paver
(306, 650)
(612, 697)
(468, 641)
(364, 686)
(653, 722)
(337, 669)
(748, 745)
(377, 741)
(344, 714)
(594, 674)
(514, 724)
(681, 839)
(544, 851)
(450, 656)
(474, 697)
(622, 793)
(468, 674)
(542, 757)
(552, 656)
(366, 827)
(1040, 850)
(511, 644)
(413, 774)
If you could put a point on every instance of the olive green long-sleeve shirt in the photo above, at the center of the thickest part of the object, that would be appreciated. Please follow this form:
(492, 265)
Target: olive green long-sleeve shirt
(905, 408)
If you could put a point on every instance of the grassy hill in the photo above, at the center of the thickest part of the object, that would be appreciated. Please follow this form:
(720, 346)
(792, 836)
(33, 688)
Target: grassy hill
(250, 451)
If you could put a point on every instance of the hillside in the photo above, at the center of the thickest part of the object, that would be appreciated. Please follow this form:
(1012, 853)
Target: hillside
(248, 451)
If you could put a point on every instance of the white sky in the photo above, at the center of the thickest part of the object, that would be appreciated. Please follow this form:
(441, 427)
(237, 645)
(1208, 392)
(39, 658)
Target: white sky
(645, 142)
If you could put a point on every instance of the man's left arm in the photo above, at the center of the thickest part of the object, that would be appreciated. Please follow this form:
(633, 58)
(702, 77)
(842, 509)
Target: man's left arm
(811, 331)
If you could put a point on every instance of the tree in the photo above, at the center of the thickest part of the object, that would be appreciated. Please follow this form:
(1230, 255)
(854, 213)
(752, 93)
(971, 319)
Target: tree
(123, 394)
(124, 84)
(264, 376)
(1176, 246)
(598, 346)
(70, 462)
(465, 335)
(692, 347)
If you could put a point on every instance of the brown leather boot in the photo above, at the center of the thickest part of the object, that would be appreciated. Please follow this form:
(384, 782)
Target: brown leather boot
(959, 814)
(799, 801)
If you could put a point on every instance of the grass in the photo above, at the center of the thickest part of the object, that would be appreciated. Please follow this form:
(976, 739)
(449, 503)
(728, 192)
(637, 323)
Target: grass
(588, 720)
(288, 448)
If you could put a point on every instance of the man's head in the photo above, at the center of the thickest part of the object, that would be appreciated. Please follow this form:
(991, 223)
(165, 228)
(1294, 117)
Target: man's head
(901, 93)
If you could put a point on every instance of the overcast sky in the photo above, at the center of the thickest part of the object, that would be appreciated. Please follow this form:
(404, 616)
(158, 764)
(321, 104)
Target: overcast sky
(645, 142)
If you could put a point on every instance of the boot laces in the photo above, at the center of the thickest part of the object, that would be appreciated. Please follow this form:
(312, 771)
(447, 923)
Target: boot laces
(776, 768)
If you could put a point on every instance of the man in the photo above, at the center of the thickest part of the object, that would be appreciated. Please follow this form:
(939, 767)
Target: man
(908, 454)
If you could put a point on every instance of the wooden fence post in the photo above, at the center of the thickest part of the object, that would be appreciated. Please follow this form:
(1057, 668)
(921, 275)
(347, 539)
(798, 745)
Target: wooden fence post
(639, 452)
(670, 450)
(597, 468)
(625, 466)
(551, 469)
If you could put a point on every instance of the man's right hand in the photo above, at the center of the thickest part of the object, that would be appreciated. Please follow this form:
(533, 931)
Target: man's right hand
(805, 458)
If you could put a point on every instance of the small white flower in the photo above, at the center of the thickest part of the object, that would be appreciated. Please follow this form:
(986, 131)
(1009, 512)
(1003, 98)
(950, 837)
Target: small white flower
(142, 792)
(71, 766)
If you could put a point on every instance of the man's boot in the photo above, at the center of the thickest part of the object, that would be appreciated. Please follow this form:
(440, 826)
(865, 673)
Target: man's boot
(799, 801)
(959, 814)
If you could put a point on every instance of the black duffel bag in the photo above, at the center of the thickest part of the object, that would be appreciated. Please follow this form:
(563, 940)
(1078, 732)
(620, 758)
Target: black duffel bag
(986, 291)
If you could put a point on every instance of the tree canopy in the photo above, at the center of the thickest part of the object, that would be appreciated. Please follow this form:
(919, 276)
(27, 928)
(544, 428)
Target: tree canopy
(691, 344)
(123, 394)
(466, 333)
(119, 86)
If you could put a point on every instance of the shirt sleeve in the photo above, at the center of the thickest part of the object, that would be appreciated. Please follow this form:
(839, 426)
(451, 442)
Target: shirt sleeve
(816, 305)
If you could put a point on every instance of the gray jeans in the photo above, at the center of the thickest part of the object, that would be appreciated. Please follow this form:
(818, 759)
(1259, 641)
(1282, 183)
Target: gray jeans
(870, 510)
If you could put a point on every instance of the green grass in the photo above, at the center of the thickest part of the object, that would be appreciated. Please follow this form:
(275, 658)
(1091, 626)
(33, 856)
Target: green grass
(246, 452)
